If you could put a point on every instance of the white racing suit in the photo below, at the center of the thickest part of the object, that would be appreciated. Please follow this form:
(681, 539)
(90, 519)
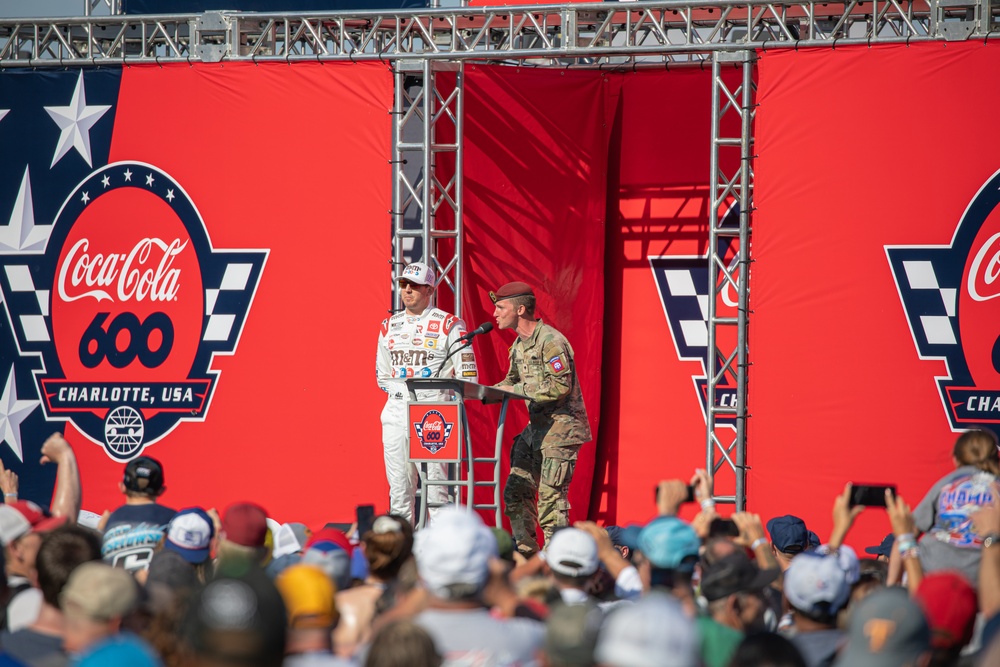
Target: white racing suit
(416, 346)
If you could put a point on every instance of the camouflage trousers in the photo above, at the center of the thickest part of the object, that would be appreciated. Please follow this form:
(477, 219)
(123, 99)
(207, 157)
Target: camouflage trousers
(539, 470)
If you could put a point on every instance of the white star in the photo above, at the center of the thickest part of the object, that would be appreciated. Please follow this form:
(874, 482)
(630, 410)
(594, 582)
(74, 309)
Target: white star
(75, 121)
(12, 412)
(170, 195)
(3, 112)
(21, 234)
(128, 176)
(106, 181)
(149, 180)
(85, 198)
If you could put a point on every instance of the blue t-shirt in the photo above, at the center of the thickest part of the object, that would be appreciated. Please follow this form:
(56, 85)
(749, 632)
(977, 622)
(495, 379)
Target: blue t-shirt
(132, 534)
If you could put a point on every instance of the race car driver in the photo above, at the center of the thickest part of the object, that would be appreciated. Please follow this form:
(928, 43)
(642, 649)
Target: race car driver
(415, 343)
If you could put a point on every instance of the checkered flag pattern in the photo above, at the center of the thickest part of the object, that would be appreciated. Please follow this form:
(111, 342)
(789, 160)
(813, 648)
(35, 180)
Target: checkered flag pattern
(28, 306)
(683, 286)
(222, 303)
(928, 281)
(938, 324)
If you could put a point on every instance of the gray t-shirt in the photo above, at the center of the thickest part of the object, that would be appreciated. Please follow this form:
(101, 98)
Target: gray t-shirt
(470, 637)
(819, 647)
(945, 518)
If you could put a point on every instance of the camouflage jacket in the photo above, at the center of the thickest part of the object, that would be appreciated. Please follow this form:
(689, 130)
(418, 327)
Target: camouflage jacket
(543, 370)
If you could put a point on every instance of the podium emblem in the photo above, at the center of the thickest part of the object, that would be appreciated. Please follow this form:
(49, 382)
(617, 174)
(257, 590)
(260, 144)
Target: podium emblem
(433, 431)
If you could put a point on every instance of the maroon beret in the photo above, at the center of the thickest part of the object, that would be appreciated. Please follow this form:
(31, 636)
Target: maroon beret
(511, 290)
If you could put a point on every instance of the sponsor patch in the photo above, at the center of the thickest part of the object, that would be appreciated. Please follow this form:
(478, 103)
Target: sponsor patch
(469, 374)
(433, 326)
(468, 356)
(430, 342)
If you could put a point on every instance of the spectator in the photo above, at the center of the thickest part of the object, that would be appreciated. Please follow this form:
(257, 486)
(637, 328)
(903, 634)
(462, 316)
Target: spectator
(133, 531)
(331, 551)
(887, 629)
(653, 632)
(242, 539)
(882, 550)
(571, 557)
(94, 602)
(60, 553)
(237, 622)
(734, 588)
(22, 525)
(670, 551)
(191, 533)
(944, 515)
(289, 541)
(789, 538)
(312, 615)
(950, 604)
(571, 632)
(620, 577)
(387, 546)
(23, 600)
(816, 587)
(403, 644)
(453, 557)
(170, 585)
(987, 525)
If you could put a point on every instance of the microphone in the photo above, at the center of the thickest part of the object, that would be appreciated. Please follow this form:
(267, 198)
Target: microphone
(485, 327)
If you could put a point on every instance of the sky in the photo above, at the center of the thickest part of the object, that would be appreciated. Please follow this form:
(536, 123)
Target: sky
(47, 8)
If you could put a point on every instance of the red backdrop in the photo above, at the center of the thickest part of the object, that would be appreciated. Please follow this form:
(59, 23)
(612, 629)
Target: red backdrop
(853, 158)
(292, 159)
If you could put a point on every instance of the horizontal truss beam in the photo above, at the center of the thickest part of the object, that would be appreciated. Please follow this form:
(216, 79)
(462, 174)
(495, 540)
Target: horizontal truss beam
(592, 34)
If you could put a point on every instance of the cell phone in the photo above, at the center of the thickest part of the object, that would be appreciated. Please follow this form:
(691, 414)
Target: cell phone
(870, 495)
(365, 516)
(723, 528)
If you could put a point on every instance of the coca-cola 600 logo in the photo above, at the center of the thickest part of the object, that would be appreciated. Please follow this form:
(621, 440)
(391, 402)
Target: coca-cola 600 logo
(126, 304)
(949, 293)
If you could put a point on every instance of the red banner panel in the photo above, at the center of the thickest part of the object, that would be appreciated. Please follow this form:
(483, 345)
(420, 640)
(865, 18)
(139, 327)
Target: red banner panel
(534, 211)
(652, 417)
(873, 334)
(182, 287)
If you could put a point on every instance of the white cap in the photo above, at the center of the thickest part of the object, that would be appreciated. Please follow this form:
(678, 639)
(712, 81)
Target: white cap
(572, 552)
(455, 549)
(418, 273)
(286, 541)
(653, 632)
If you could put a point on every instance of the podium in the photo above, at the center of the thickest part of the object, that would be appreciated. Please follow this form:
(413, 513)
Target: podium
(439, 433)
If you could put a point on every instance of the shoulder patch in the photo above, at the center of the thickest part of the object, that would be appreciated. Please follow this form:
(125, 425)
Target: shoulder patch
(556, 364)
(385, 326)
(449, 322)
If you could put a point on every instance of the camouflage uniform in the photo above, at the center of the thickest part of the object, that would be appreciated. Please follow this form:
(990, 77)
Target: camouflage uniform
(544, 454)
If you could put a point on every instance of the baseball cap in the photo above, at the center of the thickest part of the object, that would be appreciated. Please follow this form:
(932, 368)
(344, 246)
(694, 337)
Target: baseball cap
(238, 620)
(816, 584)
(789, 534)
(572, 552)
(455, 549)
(884, 548)
(653, 632)
(19, 518)
(289, 539)
(511, 290)
(190, 534)
(309, 597)
(887, 629)
(245, 524)
(670, 543)
(950, 604)
(625, 536)
(173, 571)
(571, 632)
(505, 544)
(419, 274)
(734, 573)
(144, 475)
(97, 591)
(330, 550)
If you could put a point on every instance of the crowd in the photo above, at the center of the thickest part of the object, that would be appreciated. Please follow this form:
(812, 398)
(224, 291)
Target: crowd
(147, 585)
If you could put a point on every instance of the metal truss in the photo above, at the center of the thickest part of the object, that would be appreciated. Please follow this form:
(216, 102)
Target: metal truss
(584, 34)
(725, 449)
(427, 174)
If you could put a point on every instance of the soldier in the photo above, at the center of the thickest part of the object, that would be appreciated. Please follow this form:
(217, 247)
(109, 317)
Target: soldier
(544, 454)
